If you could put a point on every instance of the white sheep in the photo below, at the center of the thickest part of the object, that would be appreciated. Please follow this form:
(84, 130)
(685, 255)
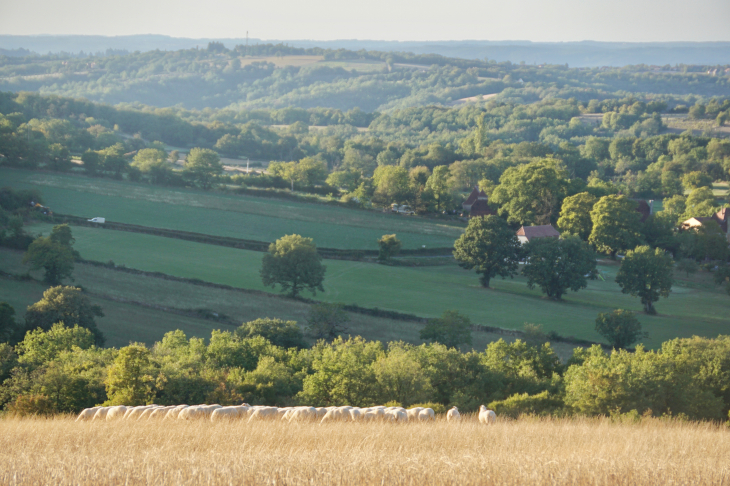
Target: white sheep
(396, 415)
(303, 414)
(191, 413)
(226, 413)
(158, 413)
(264, 413)
(413, 412)
(487, 416)
(453, 414)
(101, 413)
(87, 413)
(116, 412)
(426, 415)
(174, 412)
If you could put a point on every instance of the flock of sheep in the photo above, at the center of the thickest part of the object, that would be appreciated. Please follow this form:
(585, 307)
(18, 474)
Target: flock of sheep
(216, 413)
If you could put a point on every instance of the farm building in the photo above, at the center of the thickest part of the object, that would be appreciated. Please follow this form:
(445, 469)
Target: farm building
(480, 208)
(721, 218)
(528, 233)
(476, 195)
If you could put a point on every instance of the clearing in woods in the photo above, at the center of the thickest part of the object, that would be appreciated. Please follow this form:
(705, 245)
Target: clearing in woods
(527, 451)
(695, 307)
(238, 216)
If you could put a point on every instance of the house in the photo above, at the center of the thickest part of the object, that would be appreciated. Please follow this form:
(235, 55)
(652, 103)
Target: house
(721, 218)
(476, 195)
(480, 208)
(528, 233)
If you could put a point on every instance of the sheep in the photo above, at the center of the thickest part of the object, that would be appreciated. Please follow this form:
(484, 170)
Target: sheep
(321, 412)
(116, 412)
(264, 413)
(355, 414)
(396, 415)
(335, 414)
(453, 414)
(87, 413)
(101, 413)
(174, 412)
(303, 413)
(487, 416)
(426, 415)
(149, 411)
(133, 413)
(413, 412)
(191, 413)
(225, 413)
(158, 413)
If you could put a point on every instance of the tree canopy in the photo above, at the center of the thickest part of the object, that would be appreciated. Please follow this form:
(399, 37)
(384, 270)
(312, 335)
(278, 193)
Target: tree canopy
(490, 246)
(293, 263)
(616, 225)
(557, 265)
(646, 273)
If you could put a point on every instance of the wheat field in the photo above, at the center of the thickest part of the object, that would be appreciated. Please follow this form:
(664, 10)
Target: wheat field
(527, 451)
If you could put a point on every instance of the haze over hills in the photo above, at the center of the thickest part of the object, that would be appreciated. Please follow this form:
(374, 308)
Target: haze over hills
(575, 54)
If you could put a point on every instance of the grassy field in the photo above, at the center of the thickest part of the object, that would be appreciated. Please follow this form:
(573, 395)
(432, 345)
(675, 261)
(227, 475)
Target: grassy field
(695, 306)
(127, 299)
(523, 452)
(238, 216)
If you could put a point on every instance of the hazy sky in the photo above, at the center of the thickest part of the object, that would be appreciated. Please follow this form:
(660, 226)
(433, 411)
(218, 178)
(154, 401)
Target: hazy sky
(536, 20)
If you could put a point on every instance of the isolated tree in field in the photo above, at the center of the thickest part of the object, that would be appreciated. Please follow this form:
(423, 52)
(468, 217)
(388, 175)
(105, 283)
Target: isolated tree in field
(646, 273)
(327, 321)
(490, 246)
(575, 215)
(67, 305)
(54, 254)
(281, 333)
(293, 263)
(620, 328)
(131, 380)
(202, 166)
(616, 225)
(531, 193)
(557, 265)
(153, 163)
(451, 329)
(388, 247)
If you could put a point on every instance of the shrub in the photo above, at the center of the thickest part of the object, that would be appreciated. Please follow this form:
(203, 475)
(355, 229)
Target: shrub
(520, 404)
(620, 328)
(31, 404)
(281, 333)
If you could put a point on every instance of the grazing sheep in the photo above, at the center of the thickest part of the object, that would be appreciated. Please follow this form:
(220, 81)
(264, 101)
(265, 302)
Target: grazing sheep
(158, 413)
(101, 413)
(226, 413)
(426, 415)
(453, 414)
(191, 413)
(396, 415)
(87, 413)
(264, 413)
(335, 414)
(174, 412)
(487, 416)
(116, 412)
(134, 413)
(303, 413)
(355, 414)
(145, 415)
(413, 412)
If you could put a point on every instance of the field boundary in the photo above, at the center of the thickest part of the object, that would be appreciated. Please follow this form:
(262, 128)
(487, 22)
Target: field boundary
(208, 314)
(241, 244)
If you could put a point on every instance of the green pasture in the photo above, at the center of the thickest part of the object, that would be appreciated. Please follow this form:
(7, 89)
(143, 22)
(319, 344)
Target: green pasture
(691, 309)
(238, 216)
(120, 295)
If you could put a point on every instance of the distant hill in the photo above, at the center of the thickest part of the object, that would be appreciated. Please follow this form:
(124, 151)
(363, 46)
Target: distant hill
(575, 54)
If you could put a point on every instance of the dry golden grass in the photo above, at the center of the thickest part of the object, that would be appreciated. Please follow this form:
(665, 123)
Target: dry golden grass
(528, 451)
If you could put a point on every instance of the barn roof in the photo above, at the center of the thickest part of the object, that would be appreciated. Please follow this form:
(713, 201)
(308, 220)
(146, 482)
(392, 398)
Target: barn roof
(541, 231)
(475, 195)
(480, 208)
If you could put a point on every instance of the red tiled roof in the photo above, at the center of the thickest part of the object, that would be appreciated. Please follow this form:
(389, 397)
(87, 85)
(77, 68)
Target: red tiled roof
(542, 231)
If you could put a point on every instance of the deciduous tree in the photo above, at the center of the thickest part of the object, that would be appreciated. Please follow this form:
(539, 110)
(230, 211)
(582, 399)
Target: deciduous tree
(490, 246)
(620, 328)
(293, 263)
(451, 329)
(616, 225)
(202, 166)
(557, 265)
(646, 273)
(67, 305)
(575, 215)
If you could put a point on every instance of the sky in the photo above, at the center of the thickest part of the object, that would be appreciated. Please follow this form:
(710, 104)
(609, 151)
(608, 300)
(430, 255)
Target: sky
(399, 20)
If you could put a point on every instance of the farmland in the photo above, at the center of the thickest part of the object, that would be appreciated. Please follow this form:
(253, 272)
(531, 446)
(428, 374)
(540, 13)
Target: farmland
(526, 452)
(142, 308)
(239, 216)
(694, 307)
